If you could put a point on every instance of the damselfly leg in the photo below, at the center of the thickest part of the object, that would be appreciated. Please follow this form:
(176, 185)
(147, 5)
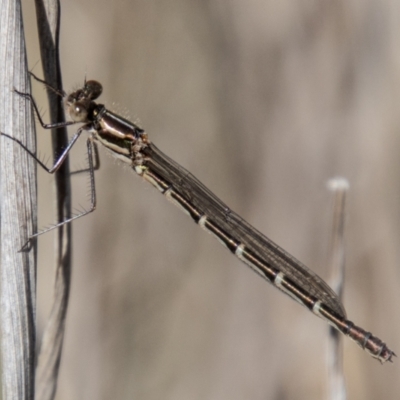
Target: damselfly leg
(92, 153)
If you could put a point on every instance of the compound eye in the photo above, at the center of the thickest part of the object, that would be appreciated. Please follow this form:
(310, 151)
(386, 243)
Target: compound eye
(93, 89)
(78, 112)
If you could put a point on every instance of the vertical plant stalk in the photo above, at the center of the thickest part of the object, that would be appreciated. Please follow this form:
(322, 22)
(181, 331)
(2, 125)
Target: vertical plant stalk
(18, 212)
(340, 187)
(48, 20)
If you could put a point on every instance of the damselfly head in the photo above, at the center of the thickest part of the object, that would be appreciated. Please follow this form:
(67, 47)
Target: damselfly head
(78, 103)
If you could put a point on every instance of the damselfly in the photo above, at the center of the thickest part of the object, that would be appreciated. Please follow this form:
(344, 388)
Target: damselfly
(130, 144)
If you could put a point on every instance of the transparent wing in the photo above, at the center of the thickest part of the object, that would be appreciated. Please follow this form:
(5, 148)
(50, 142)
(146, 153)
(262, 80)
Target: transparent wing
(195, 192)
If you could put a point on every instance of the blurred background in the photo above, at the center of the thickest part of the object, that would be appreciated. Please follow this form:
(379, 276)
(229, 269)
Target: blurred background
(263, 101)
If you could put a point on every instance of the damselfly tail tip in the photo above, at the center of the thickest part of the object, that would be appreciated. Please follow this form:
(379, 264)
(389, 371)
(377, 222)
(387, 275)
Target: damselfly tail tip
(389, 357)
